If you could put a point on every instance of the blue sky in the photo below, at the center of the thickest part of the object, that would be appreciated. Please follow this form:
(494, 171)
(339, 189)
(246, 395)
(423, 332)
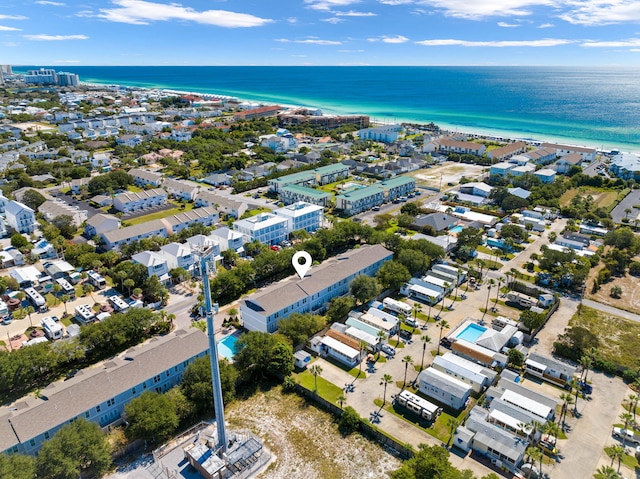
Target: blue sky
(320, 32)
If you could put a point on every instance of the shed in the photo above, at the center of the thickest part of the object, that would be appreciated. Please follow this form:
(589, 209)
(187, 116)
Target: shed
(301, 359)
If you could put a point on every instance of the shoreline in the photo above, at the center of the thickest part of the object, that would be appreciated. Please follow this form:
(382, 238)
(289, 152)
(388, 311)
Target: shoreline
(375, 120)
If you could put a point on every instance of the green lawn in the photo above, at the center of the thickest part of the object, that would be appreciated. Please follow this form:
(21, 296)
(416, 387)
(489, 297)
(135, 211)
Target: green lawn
(254, 212)
(602, 197)
(326, 390)
(153, 216)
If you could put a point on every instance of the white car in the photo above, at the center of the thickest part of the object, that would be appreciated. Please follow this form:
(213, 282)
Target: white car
(626, 435)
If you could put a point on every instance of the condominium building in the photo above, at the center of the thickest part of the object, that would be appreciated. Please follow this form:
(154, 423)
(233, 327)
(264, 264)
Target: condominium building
(130, 201)
(294, 193)
(99, 394)
(20, 217)
(143, 178)
(302, 216)
(361, 199)
(266, 228)
(262, 310)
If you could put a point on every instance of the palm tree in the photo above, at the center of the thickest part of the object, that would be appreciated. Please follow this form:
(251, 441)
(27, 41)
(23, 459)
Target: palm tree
(536, 455)
(567, 399)
(56, 290)
(452, 425)
(606, 472)
(627, 212)
(381, 337)
(65, 298)
(29, 310)
(315, 370)
(633, 404)
(626, 419)
(491, 283)
(341, 399)
(586, 362)
(425, 339)
(495, 302)
(363, 347)
(443, 324)
(386, 379)
(615, 452)
(417, 307)
(88, 288)
(406, 360)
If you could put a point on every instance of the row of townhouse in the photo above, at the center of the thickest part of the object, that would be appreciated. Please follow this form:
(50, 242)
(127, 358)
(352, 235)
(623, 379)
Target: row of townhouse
(130, 201)
(116, 238)
(318, 176)
(170, 256)
(99, 394)
(262, 310)
(108, 121)
(273, 228)
(51, 209)
(508, 169)
(461, 147)
(507, 151)
(363, 199)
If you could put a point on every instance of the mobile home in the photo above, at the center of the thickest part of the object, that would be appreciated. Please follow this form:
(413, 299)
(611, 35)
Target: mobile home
(66, 287)
(96, 279)
(36, 299)
(397, 306)
(85, 314)
(118, 303)
(52, 329)
(417, 405)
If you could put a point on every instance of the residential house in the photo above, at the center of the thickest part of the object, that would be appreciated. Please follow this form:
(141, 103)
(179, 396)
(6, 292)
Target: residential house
(102, 200)
(266, 228)
(501, 169)
(443, 388)
(262, 310)
(52, 209)
(588, 154)
(279, 143)
(541, 156)
(522, 170)
(155, 263)
(626, 166)
(437, 221)
(476, 189)
(448, 145)
(231, 207)
(100, 223)
(11, 257)
(101, 161)
(135, 201)
(545, 175)
(302, 216)
(229, 239)
(474, 374)
(20, 217)
(100, 394)
(129, 140)
(507, 151)
(206, 216)
(519, 192)
(77, 184)
(549, 369)
(178, 255)
(183, 190)
(566, 162)
(57, 269)
(142, 178)
(217, 179)
(3, 202)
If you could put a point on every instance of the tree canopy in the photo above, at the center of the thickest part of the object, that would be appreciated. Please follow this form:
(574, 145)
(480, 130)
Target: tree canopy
(300, 327)
(364, 288)
(151, 416)
(262, 354)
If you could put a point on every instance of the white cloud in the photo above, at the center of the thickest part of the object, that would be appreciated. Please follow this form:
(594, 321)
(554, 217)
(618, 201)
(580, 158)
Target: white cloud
(632, 42)
(546, 42)
(333, 20)
(53, 4)
(395, 2)
(8, 29)
(603, 12)
(292, 20)
(141, 12)
(55, 38)
(508, 25)
(13, 17)
(329, 4)
(352, 13)
(479, 9)
(394, 39)
(310, 40)
(546, 25)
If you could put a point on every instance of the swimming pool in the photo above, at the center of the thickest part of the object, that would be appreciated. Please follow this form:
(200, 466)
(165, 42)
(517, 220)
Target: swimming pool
(471, 332)
(227, 346)
(456, 229)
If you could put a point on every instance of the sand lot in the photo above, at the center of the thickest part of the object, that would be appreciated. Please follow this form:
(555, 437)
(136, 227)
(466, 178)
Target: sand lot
(446, 173)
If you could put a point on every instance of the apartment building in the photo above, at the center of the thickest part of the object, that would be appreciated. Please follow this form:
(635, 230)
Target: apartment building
(302, 216)
(20, 217)
(294, 193)
(361, 199)
(135, 201)
(142, 178)
(266, 228)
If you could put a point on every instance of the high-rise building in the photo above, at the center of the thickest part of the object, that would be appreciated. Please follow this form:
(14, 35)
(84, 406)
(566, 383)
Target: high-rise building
(43, 76)
(68, 79)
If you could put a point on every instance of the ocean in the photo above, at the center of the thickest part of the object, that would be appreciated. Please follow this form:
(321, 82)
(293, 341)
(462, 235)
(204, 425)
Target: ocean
(598, 107)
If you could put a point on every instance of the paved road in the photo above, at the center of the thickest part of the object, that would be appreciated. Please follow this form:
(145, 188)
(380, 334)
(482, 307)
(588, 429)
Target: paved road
(611, 310)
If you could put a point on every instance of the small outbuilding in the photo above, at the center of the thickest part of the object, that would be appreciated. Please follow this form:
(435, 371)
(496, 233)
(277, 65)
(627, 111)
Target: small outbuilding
(301, 359)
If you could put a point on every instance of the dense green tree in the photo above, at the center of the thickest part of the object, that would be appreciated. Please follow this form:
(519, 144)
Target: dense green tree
(33, 199)
(414, 260)
(531, 320)
(513, 203)
(471, 237)
(430, 462)
(64, 224)
(17, 466)
(79, 448)
(364, 288)
(575, 342)
(19, 241)
(300, 327)
(514, 232)
(260, 354)
(151, 416)
(516, 358)
(392, 275)
(196, 383)
(349, 420)
(339, 308)
(411, 209)
(114, 180)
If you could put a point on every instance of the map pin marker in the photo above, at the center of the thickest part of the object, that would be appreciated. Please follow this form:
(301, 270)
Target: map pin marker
(301, 268)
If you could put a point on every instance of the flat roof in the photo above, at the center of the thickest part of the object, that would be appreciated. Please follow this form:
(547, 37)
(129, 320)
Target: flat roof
(526, 403)
(362, 193)
(444, 382)
(342, 348)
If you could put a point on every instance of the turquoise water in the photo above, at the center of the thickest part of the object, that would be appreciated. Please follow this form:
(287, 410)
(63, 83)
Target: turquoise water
(227, 346)
(456, 229)
(597, 107)
(471, 332)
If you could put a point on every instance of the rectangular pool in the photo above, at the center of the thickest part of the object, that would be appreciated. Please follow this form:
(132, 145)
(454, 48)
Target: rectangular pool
(456, 229)
(227, 346)
(471, 332)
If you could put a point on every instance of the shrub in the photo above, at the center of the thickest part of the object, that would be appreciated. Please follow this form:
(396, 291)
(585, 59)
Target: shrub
(349, 420)
(629, 375)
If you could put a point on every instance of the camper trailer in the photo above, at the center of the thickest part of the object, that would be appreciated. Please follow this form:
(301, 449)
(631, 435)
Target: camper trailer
(52, 329)
(36, 299)
(397, 306)
(66, 287)
(96, 280)
(417, 405)
(119, 304)
(85, 314)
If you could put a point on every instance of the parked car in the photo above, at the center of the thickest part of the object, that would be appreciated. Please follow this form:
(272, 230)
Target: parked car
(388, 349)
(411, 322)
(585, 387)
(626, 434)
(404, 334)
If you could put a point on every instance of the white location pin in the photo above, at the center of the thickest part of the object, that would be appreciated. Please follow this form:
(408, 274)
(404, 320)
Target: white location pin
(301, 268)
